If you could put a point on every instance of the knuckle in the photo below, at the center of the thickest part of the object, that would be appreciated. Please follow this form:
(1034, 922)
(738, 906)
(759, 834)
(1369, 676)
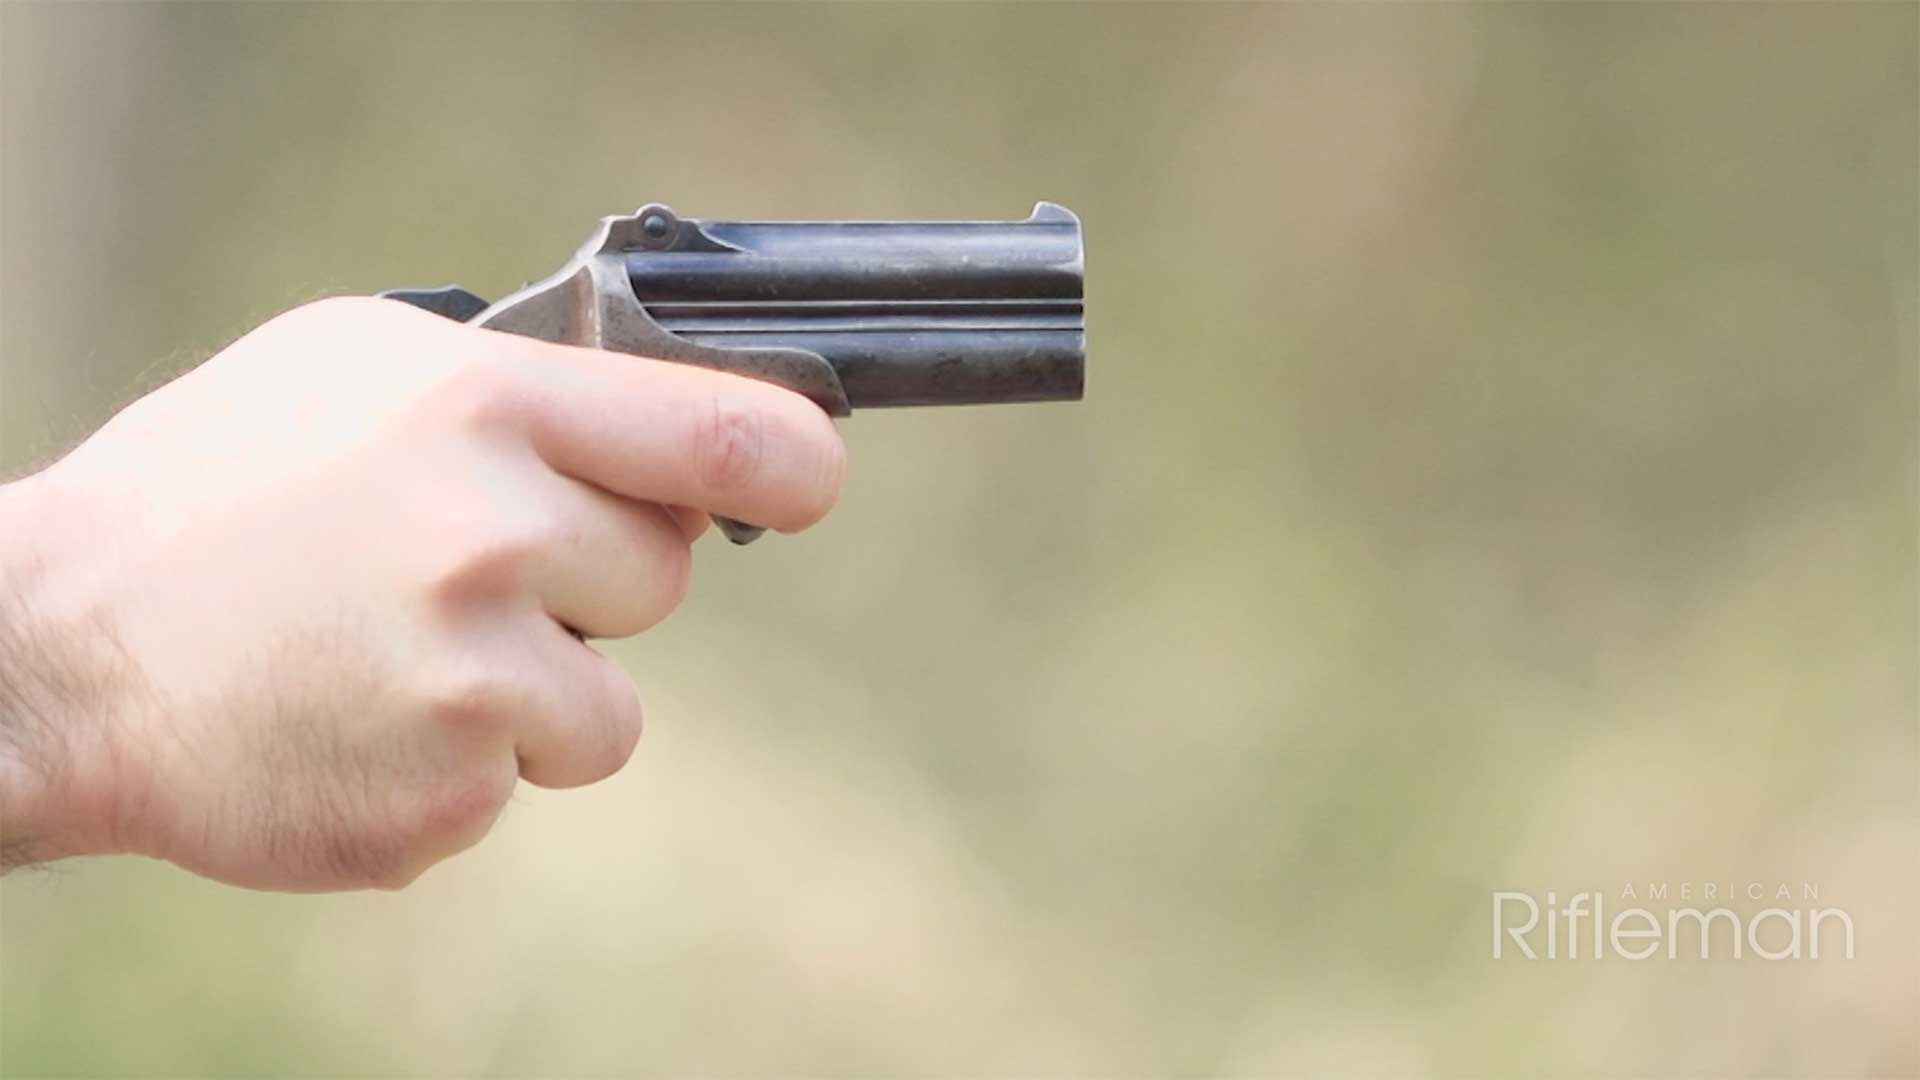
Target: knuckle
(611, 754)
(486, 393)
(648, 596)
(449, 816)
(358, 307)
(729, 443)
(673, 576)
(471, 697)
(490, 568)
(460, 812)
(621, 747)
(597, 736)
(616, 730)
(340, 317)
(336, 308)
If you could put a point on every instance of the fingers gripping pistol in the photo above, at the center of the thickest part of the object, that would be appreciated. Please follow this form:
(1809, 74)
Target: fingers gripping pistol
(851, 314)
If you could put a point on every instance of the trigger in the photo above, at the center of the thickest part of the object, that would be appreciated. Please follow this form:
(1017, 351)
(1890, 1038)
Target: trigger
(738, 531)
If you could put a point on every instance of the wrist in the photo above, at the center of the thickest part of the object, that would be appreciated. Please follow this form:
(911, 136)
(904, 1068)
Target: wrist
(66, 687)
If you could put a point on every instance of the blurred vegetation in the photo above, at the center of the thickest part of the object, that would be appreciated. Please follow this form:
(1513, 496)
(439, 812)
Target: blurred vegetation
(1498, 472)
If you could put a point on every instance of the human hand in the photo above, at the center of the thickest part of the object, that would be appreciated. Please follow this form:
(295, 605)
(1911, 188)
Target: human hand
(301, 618)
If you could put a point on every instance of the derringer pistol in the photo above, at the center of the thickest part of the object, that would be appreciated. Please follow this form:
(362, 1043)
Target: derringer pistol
(851, 314)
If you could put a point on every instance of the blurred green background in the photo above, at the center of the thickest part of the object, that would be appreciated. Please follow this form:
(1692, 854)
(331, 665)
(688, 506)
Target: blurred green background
(1498, 471)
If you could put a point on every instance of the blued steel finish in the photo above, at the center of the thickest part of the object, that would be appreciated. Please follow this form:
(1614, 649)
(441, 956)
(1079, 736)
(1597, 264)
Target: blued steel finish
(850, 314)
(907, 313)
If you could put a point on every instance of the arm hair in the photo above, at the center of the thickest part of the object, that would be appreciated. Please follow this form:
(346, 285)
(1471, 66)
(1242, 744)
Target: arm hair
(60, 679)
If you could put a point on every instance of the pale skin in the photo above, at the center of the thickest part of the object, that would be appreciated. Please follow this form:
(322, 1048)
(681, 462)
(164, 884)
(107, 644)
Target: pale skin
(302, 618)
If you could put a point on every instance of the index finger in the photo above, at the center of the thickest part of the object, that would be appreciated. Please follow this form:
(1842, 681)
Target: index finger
(682, 435)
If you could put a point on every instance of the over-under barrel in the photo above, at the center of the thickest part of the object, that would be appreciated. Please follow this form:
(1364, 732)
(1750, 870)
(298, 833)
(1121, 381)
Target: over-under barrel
(907, 313)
